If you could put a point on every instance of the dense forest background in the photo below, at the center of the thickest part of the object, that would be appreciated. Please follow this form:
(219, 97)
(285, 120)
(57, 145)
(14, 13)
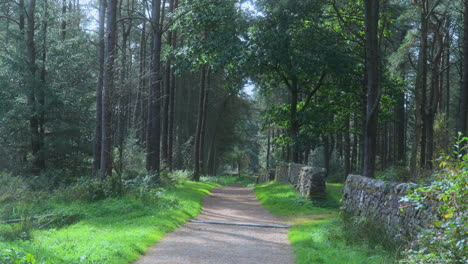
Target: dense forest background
(119, 88)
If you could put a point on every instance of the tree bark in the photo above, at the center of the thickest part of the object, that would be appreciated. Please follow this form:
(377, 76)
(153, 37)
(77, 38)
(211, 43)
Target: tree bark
(197, 168)
(293, 155)
(63, 26)
(98, 124)
(373, 86)
(420, 88)
(434, 97)
(347, 147)
(463, 106)
(154, 106)
(107, 89)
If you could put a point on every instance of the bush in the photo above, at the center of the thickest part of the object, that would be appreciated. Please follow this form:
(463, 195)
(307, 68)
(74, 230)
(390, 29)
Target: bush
(171, 178)
(445, 240)
(12, 188)
(394, 174)
(85, 189)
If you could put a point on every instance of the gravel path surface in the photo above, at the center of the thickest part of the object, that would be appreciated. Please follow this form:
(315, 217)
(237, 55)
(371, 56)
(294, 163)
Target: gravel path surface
(195, 243)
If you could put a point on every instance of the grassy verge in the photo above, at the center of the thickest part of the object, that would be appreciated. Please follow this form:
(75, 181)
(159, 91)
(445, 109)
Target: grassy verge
(244, 180)
(317, 235)
(115, 230)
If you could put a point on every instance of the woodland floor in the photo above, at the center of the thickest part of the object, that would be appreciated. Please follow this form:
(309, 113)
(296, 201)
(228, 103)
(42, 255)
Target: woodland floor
(225, 244)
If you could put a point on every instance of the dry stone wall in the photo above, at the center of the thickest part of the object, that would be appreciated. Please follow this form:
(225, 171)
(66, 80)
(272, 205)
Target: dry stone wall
(379, 202)
(309, 181)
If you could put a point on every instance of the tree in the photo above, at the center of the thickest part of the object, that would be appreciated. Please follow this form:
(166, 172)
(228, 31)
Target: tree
(98, 124)
(373, 86)
(107, 88)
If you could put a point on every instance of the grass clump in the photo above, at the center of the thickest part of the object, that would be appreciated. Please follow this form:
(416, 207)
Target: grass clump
(317, 235)
(112, 230)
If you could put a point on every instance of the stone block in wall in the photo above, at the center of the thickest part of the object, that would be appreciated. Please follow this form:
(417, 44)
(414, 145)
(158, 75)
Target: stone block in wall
(294, 171)
(312, 182)
(266, 176)
(281, 173)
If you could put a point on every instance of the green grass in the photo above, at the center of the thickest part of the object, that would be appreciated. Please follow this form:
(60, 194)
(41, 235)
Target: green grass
(115, 230)
(244, 180)
(318, 238)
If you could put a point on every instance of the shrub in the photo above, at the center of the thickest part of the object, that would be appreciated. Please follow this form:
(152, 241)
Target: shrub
(394, 174)
(171, 178)
(445, 241)
(85, 189)
(12, 188)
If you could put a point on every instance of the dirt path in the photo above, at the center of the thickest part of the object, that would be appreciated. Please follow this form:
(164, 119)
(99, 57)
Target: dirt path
(225, 244)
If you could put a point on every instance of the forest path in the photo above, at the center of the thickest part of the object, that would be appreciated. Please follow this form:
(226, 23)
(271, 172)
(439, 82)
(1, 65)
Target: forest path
(226, 244)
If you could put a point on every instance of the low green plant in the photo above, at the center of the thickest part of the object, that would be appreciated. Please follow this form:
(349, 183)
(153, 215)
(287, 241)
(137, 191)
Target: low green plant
(445, 241)
(11, 256)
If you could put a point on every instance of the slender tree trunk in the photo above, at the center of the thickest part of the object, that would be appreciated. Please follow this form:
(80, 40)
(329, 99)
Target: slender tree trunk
(373, 86)
(294, 127)
(41, 91)
(107, 89)
(434, 97)
(420, 88)
(268, 148)
(154, 107)
(447, 81)
(172, 98)
(63, 26)
(347, 147)
(197, 169)
(98, 124)
(463, 107)
(400, 129)
(34, 91)
(204, 121)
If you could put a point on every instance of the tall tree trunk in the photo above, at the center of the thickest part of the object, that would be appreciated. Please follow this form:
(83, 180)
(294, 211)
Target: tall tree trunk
(268, 148)
(294, 127)
(107, 89)
(204, 121)
(434, 97)
(36, 140)
(463, 107)
(420, 88)
(172, 98)
(347, 147)
(154, 107)
(373, 86)
(41, 90)
(400, 129)
(98, 124)
(63, 26)
(197, 169)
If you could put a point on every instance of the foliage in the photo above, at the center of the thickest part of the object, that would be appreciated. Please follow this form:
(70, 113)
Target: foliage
(394, 174)
(445, 240)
